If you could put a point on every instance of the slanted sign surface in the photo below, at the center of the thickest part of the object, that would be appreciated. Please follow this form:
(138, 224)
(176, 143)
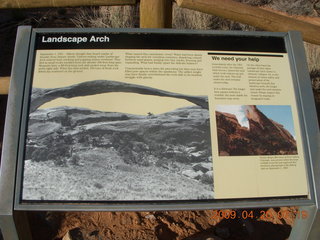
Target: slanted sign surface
(149, 116)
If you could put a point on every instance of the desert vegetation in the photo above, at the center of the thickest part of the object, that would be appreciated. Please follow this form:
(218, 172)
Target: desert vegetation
(128, 17)
(107, 17)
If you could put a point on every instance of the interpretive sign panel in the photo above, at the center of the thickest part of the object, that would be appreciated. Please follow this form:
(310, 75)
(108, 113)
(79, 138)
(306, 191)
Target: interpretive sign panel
(160, 117)
(256, 123)
(147, 120)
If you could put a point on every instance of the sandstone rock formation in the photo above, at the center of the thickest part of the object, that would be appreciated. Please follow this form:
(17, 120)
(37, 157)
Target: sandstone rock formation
(118, 155)
(146, 156)
(263, 137)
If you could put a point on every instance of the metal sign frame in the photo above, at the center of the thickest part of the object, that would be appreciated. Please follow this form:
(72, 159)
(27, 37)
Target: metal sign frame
(10, 204)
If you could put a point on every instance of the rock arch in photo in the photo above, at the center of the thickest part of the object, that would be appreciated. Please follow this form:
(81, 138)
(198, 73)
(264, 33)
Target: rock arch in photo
(41, 96)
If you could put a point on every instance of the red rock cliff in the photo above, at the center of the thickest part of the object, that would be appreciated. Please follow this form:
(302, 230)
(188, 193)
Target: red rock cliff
(263, 137)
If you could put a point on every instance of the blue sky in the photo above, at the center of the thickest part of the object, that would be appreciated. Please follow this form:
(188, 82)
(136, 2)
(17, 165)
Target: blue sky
(279, 113)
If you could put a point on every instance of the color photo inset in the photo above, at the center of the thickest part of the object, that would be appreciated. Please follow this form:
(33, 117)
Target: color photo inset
(255, 130)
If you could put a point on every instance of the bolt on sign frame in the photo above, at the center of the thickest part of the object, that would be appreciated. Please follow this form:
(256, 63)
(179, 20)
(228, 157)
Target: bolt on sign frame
(221, 46)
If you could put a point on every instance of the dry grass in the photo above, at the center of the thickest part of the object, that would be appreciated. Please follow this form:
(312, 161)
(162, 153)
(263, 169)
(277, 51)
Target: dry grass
(313, 60)
(189, 19)
(128, 17)
(313, 56)
(297, 7)
(107, 17)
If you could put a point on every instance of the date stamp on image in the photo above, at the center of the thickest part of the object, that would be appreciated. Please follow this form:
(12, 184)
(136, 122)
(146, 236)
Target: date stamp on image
(266, 215)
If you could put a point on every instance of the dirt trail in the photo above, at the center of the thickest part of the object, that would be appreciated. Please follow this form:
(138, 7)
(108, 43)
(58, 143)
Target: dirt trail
(175, 225)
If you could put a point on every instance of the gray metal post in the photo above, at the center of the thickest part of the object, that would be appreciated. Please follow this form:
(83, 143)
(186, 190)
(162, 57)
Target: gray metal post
(315, 228)
(11, 136)
(303, 225)
(8, 227)
(307, 228)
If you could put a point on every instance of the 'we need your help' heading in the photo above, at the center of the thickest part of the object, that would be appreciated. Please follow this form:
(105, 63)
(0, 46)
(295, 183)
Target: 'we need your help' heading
(74, 39)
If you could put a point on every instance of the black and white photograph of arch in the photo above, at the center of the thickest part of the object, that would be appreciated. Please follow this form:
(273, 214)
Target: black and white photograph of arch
(78, 153)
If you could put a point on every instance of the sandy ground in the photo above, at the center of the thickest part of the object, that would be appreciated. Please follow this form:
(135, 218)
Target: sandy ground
(164, 225)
